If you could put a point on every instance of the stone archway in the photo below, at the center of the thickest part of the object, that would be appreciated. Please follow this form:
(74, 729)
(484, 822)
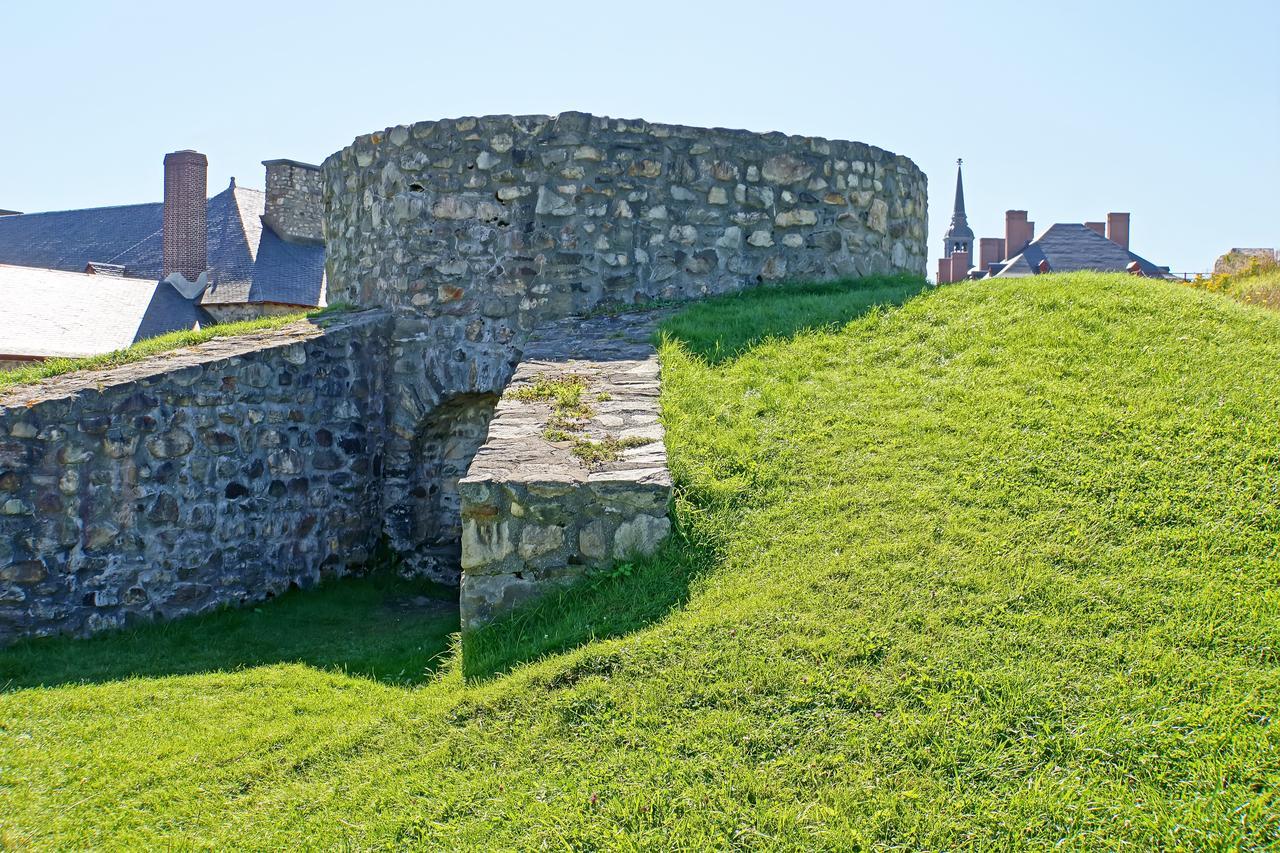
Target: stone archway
(430, 523)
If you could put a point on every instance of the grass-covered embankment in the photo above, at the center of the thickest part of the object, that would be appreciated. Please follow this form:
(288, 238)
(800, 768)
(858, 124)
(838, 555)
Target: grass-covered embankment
(1254, 281)
(995, 568)
(51, 367)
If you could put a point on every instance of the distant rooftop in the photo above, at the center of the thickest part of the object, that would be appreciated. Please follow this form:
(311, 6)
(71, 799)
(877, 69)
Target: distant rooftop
(1070, 247)
(55, 313)
(130, 237)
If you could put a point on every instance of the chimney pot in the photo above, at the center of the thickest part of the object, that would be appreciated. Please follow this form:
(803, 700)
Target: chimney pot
(185, 235)
(990, 251)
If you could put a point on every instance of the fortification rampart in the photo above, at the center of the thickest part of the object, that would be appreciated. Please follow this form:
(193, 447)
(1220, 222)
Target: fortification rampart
(477, 230)
(227, 472)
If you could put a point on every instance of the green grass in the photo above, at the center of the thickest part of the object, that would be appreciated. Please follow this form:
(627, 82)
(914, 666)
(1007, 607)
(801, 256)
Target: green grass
(996, 568)
(380, 627)
(52, 367)
(1250, 280)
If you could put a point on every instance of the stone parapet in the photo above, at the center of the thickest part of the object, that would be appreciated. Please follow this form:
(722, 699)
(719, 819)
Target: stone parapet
(573, 476)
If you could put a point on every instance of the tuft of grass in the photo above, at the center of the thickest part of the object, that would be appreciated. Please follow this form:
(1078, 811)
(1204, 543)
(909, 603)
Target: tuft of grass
(52, 367)
(597, 453)
(986, 567)
(569, 415)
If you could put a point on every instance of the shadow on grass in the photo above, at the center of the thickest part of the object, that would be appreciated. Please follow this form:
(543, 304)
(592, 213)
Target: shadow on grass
(613, 603)
(377, 626)
(719, 330)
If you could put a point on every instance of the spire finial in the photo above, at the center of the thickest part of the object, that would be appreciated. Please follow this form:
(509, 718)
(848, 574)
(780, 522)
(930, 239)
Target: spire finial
(959, 161)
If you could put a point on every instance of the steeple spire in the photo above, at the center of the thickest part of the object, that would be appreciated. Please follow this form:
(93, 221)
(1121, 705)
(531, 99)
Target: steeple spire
(959, 237)
(959, 211)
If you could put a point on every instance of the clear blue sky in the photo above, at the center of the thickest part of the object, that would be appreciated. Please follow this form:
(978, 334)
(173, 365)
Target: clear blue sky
(1170, 110)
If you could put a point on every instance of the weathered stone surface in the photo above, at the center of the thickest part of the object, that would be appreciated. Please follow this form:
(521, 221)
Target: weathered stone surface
(603, 190)
(537, 514)
(228, 471)
(200, 460)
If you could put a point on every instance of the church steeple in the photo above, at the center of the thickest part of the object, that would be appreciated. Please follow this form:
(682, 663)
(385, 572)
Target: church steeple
(959, 237)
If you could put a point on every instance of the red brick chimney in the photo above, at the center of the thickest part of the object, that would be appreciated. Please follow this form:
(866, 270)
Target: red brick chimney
(944, 270)
(1118, 229)
(1017, 232)
(959, 266)
(990, 251)
(186, 214)
(1100, 228)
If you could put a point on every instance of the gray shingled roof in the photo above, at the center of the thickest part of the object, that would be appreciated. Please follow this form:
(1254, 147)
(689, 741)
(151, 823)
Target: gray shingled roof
(48, 313)
(130, 235)
(1069, 247)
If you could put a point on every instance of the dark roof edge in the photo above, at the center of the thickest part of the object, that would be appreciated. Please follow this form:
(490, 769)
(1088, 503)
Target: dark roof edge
(287, 162)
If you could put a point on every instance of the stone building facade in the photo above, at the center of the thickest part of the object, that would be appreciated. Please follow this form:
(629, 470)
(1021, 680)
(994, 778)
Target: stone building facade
(294, 207)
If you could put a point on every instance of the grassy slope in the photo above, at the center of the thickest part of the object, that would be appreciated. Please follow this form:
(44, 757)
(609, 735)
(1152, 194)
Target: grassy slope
(1254, 282)
(996, 567)
(49, 368)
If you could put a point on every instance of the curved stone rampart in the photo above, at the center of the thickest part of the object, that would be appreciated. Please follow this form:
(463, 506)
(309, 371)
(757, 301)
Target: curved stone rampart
(528, 217)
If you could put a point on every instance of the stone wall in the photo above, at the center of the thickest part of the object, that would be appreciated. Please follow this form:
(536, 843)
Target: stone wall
(553, 494)
(219, 474)
(529, 217)
(475, 231)
(1239, 259)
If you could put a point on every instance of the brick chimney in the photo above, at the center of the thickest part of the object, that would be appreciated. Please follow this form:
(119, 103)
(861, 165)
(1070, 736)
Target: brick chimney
(186, 214)
(990, 251)
(1100, 228)
(944, 270)
(295, 209)
(1118, 229)
(1017, 232)
(959, 265)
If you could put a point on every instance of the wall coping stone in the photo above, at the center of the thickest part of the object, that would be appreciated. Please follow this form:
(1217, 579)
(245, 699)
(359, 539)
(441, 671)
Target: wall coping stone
(167, 363)
(535, 515)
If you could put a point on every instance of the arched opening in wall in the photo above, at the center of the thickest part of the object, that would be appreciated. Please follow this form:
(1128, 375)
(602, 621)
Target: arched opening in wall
(443, 448)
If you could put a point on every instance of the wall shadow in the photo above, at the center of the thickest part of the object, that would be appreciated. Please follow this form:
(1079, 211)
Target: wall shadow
(612, 603)
(721, 329)
(377, 626)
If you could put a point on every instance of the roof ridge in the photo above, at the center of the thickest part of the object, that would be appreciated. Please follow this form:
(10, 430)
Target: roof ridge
(84, 209)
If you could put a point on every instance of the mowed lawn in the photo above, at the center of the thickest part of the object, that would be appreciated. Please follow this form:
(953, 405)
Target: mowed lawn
(995, 567)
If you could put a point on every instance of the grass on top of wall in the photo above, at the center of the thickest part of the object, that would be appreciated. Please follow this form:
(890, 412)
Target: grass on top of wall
(1253, 280)
(49, 368)
(995, 568)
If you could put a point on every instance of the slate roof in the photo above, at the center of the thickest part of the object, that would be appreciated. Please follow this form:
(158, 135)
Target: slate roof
(1068, 247)
(51, 313)
(289, 273)
(131, 236)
